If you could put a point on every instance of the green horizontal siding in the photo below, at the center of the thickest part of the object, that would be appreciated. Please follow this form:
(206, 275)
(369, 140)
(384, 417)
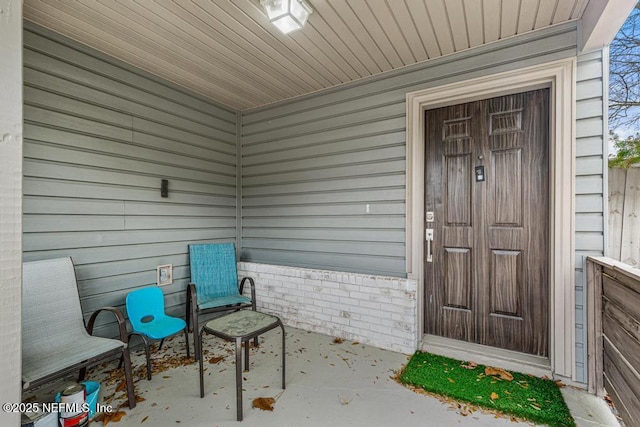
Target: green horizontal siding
(590, 168)
(323, 176)
(99, 138)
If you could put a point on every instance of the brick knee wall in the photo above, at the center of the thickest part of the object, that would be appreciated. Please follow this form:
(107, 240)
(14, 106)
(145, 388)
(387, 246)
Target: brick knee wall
(375, 310)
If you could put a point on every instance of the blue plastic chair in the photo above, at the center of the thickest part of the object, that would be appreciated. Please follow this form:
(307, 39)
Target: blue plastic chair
(145, 308)
(214, 284)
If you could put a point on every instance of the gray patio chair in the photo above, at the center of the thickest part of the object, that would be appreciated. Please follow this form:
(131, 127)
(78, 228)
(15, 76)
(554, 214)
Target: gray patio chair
(55, 342)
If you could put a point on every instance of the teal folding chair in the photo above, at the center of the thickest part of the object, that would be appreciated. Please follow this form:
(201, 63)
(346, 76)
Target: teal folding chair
(214, 284)
(145, 308)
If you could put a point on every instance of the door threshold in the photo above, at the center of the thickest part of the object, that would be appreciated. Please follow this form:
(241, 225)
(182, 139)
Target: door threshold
(486, 355)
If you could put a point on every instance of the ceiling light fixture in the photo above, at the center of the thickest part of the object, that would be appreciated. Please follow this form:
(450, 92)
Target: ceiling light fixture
(287, 15)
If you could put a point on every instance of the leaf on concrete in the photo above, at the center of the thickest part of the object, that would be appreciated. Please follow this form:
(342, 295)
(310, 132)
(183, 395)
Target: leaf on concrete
(264, 403)
(338, 340)
(216, 359)
(107, 417)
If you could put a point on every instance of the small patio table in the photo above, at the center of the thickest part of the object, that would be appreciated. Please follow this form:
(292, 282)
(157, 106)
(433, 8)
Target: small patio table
(240, 326)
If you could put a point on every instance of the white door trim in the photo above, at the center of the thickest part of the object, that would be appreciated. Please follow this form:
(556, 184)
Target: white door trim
(560, 78)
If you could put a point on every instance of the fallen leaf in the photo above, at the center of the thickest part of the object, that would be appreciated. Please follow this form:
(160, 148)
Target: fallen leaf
(107, 417)
(494, 396)
(469, 365)
(144, 419)
(355, 343)
(338, 341)
(498, 372)
(264, 403)
(216, 359)
(560, 384)
(451, 380)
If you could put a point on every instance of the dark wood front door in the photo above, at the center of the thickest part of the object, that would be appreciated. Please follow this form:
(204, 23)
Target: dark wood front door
(487, 204)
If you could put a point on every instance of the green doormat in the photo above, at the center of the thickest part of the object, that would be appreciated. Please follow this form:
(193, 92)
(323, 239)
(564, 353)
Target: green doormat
(521, 395)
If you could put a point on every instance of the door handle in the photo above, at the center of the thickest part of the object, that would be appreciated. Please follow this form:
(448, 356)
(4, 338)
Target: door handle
(429, 238)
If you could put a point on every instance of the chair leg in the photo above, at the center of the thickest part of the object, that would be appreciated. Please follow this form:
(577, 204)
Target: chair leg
(253, 307)
(148, 352)
(239, 378)
(122, 355)
(196, 343)
(246, 355)
(186, 339)
(284, 352)
(160, 346)
(128, 377)
(201, 366)
(82, 374)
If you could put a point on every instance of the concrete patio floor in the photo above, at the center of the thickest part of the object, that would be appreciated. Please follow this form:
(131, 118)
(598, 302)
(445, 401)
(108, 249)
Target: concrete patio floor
(328, 384)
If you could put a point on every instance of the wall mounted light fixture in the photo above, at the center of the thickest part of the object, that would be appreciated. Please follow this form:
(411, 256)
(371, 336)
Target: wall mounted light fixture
(164, 188)
(287, 15)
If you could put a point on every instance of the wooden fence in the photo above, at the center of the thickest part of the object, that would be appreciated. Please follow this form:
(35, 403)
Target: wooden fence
(624, 215)
(614, 334)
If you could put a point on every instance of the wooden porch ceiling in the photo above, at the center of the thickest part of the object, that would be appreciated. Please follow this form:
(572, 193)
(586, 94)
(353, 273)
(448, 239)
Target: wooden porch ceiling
(227, 51)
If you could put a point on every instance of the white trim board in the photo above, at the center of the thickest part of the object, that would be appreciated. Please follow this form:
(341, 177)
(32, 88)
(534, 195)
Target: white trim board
(560, 77)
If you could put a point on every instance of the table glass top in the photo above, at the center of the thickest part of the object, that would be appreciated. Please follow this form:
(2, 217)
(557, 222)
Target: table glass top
(241, 323)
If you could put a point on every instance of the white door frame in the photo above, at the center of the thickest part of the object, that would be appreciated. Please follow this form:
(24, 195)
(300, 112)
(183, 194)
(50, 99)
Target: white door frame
(560, 78)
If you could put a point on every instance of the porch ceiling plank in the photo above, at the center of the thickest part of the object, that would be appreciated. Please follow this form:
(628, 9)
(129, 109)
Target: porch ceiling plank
(103, 41)
(311, 41)
(418, 11)
(359, 30)
(133, 29)
(492, 18)
(545, 13)
(222, 25)
(475, 29)
(407, 26)
(458, 24)
(328, 24)
(209, 45)
(252, 10)
(228, 51)
(394, 30)
(565, 11)
(363, 10)
(335, 45)
(266, 40)
(527, 16)
(508, 25)
(441, 25)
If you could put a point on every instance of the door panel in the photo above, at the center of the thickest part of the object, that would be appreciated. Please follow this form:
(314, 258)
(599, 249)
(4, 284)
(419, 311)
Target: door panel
(457, 278)
(506, 282)
(486, 182)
